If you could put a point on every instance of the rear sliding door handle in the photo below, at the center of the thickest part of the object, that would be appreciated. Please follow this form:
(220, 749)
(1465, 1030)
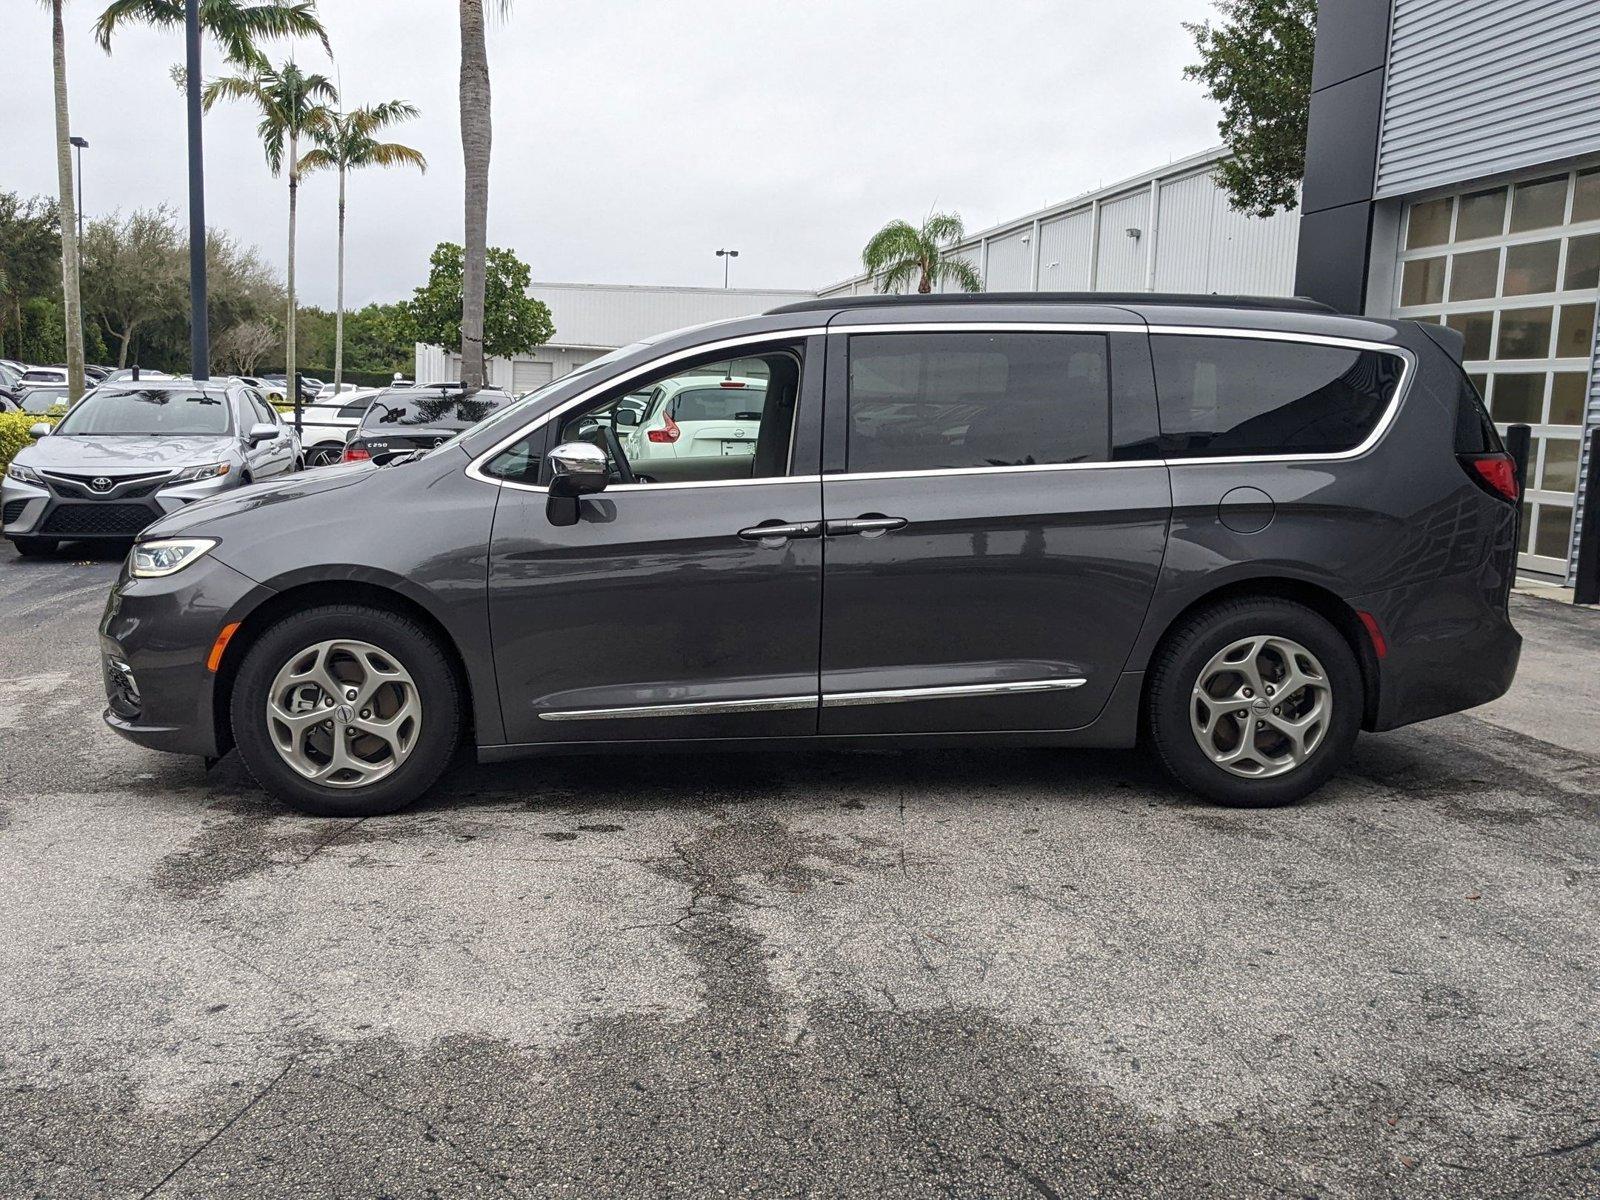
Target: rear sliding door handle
(867, 526)
(775, 533)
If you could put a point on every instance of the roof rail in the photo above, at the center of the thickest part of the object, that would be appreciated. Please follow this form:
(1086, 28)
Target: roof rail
(1135, 299)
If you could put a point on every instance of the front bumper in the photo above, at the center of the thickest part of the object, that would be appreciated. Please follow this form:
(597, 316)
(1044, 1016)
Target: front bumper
(71, 512)
(155, 638)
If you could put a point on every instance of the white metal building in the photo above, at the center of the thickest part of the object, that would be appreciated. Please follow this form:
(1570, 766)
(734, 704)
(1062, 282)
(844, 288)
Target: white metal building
(594, 318)
(1167, 230)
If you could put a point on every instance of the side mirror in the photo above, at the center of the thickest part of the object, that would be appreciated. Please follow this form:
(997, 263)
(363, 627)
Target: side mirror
(581, 469)
(38, 429)
(626, 418)
(262, 433)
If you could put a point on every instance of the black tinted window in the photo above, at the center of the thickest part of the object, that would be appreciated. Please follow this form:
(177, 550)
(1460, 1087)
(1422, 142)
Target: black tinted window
(932, 401)
(450, 411)
(1475, 433)
(1223, 396)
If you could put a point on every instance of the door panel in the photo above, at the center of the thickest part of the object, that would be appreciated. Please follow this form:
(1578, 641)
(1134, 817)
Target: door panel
(997, 577)
(653, 598)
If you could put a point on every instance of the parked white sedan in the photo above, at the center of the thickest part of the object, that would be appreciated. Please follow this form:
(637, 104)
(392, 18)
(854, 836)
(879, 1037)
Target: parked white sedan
(326, 426)
(692, 417)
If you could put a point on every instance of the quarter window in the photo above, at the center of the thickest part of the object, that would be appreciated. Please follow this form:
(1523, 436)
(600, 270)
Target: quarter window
(1222, 396)
(949, 401)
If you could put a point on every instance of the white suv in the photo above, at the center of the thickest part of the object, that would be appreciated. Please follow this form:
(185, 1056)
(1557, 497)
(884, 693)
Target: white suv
(692, 417)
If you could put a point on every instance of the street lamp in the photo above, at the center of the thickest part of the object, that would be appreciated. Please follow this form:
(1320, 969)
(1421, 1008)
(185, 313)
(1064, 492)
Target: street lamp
(727, 256)
(81, 145)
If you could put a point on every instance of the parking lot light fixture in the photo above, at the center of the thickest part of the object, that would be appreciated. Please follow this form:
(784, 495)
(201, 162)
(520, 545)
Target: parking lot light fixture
(727, 256)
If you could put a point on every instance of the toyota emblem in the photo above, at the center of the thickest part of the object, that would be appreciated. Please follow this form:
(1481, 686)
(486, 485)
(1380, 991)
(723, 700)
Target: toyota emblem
(101, 484)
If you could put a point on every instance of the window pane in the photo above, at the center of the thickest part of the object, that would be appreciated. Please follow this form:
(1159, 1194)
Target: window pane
(1583, 262)
(1475, 276)
(1560, 465)
(1539, 205)
(1576, 338)
(1478, 329)
(939, 401)
(1429, 225)
(1567, 397)
(1483, 214)
(1423, 282)
(1221, 396)
(1553, 533)
(1586, 201)
(1518, 398)
(1525, 333)
(1532, 268)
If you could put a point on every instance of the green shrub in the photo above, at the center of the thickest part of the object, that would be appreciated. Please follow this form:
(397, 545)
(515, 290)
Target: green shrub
(14, 428)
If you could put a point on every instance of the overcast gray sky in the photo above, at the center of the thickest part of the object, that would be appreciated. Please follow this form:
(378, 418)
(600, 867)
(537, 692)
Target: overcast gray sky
(632, 139)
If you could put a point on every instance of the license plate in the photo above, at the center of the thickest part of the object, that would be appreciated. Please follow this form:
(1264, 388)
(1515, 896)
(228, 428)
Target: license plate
(729, 447)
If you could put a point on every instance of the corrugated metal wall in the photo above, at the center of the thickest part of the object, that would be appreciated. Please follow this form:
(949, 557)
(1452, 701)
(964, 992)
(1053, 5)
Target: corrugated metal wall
(1066, 246)
(1480, 87)
(1123, 259)
(1011, 262)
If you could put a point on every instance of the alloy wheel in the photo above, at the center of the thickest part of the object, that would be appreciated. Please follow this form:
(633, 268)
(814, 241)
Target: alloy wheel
(1261, 707)
(343, 713)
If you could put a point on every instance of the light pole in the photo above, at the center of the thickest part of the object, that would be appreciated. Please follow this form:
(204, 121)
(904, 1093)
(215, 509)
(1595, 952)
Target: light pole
(82, 144)
(727, 256)
(199, 327)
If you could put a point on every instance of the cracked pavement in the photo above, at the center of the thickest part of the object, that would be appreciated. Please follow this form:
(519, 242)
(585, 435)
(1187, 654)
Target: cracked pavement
(997, 973)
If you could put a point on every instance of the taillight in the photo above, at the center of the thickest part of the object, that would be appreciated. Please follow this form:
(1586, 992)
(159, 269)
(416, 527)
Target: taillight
(1494, 473)
(355, 454)
(731, 383)
(669, 434)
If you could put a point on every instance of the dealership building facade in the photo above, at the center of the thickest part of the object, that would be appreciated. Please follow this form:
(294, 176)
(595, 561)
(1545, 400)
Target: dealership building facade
(1452, 175)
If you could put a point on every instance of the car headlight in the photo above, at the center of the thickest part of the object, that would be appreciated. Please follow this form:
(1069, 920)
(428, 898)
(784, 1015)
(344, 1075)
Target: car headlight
(22, 474)
(206, 471)
(167, 555)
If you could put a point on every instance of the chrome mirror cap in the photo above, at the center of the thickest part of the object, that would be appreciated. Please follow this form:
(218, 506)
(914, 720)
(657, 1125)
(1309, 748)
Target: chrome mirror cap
(39, 429)
(262, 433)
(579, 468)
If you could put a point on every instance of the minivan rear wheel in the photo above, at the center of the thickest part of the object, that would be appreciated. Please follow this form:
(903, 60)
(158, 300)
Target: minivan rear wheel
(346, 711)
(1255, 702)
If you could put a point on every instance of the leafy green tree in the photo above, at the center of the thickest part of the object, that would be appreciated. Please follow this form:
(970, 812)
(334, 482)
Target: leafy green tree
(30, 261)
(348, 143)
(901, 252)
(1257, 64)
(293, 105)
(513, 322)
(381, 339)
(135, 272)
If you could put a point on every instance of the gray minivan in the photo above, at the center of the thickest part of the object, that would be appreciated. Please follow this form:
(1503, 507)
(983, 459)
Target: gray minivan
(1238, 530)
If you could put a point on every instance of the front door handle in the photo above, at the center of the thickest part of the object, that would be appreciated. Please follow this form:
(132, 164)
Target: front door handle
(775, 533)
(870, 525)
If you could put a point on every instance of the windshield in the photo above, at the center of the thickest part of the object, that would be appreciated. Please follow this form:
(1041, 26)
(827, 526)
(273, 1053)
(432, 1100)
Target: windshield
(109, 411)
(721, 403)
(434, 412)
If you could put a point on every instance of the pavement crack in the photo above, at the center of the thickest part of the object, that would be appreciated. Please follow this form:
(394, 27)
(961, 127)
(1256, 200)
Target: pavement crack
(229, 1124)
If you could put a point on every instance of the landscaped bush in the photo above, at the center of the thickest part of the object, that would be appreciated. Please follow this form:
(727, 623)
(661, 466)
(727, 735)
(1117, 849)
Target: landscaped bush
(14, 428)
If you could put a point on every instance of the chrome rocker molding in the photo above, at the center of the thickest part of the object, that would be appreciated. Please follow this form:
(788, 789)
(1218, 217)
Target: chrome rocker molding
(475, 469)
(828, 700)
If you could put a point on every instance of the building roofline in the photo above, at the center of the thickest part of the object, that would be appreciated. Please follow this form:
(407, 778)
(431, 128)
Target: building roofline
(667, 287)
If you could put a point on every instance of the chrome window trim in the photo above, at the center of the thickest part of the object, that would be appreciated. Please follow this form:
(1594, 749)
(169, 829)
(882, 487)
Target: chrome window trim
(475, 469)
(825, 699)
(1402, 387)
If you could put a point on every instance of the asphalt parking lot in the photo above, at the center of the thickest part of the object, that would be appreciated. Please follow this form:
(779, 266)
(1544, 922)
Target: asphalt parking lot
(1001, 974)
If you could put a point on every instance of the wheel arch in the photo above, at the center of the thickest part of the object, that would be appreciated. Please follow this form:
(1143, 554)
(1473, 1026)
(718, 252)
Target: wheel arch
(1321, 600)
(309, 595)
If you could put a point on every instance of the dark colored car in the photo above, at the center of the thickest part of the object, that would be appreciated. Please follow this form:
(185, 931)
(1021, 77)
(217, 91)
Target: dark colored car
(403, 420)
(1244, 529)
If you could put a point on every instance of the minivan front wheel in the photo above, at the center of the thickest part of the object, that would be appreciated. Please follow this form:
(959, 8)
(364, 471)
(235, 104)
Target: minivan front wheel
(346, 711)
(1255, 702)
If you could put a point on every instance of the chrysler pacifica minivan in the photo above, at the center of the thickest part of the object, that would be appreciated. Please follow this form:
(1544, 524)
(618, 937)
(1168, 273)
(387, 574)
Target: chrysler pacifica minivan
(1235, 532)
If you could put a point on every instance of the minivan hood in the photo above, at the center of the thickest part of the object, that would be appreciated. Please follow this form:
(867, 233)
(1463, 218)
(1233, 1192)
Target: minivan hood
(259, 495)
(123, 454)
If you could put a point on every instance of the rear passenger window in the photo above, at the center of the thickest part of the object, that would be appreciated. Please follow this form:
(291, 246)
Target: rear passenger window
(943, 401)
(1222, 396)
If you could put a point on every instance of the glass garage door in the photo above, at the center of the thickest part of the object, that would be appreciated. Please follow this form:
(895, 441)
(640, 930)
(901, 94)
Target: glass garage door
(1516, 268)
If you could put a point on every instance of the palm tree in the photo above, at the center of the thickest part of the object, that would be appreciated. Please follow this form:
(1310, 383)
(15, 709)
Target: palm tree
(348, 143)
(900, 252)
(293, 105)
(475, 138)
(236, 24)
(73, 309)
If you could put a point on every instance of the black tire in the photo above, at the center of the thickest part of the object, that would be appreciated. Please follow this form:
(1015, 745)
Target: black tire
(35, 547)
(412, 646)
(1178, 665)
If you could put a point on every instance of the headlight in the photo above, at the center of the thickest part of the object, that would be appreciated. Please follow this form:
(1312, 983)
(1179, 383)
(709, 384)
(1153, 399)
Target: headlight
(208, 471)
(22, 474)
(167, 555)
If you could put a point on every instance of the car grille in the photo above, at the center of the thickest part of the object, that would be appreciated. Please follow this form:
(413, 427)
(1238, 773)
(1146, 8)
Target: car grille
(123, 487)
(13, 510)
(109, 520)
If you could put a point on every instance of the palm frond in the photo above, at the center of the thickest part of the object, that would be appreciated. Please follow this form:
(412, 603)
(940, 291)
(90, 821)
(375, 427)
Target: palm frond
(138, 12)
(895, 241)
(959, 271)
(230, 87)
(370, 118)
(943, 228)
(238, 26)
(898, 277)
(391, 154)
(319, 159)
